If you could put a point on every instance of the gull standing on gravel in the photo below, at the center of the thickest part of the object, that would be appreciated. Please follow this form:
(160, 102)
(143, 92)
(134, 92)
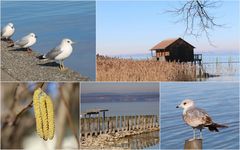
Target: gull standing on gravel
(61, 52)
(7, 31)
(197, 118)
(26, 41)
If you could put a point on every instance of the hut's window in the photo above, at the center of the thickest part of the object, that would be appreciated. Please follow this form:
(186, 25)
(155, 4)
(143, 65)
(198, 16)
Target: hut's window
(166, 53)
(153, 53)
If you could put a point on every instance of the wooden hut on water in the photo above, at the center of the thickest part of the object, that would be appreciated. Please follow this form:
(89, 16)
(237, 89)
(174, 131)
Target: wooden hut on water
(174, 50)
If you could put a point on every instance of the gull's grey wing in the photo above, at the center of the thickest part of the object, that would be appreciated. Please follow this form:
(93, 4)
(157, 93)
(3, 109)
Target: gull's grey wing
(197, 116)
(23, 41)
(53, 53)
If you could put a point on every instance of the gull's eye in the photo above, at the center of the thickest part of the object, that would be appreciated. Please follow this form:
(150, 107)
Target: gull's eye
(184, 103)
(68, 41)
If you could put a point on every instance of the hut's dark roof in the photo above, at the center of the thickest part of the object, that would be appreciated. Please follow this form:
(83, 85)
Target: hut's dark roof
(165, 43)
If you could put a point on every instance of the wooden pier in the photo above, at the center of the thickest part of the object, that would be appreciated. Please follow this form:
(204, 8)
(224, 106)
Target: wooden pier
(94, 126)
(198, 61)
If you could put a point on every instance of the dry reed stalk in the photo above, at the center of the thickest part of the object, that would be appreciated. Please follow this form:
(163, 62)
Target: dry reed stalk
(117, 69)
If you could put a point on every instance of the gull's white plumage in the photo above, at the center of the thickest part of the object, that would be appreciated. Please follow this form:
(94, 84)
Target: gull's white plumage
(7, 31)
(61, 52)
(26, 41)
(197, 118)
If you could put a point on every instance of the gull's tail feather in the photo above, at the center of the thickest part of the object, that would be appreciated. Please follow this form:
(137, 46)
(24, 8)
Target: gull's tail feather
(42, 57)
(214, 127)
(14, 45)
(11, 45)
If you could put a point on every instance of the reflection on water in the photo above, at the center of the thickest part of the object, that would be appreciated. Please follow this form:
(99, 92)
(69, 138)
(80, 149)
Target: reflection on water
(220, 100)
(226, 66)
(142, 141)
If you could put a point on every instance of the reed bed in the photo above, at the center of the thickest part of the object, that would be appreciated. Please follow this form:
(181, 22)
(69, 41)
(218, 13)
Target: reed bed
(118, 69)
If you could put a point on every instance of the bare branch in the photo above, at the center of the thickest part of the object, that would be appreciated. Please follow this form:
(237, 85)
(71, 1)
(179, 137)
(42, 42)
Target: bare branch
(11, 119)
(197, 18)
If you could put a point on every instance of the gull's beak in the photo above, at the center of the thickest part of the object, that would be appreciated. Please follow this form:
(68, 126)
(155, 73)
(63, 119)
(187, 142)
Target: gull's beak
(177, 106)
(73, 42)
(35, 36)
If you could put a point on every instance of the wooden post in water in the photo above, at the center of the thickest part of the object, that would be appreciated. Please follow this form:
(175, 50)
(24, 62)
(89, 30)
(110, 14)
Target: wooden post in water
(114, 124)
(137, 120)
(85, 128)
(200, 70)
(118, 123)
(152, 121)
(123, 123)
(195, 144)
(130, 123)
(195, 70)
(98, 122)
(127, 121)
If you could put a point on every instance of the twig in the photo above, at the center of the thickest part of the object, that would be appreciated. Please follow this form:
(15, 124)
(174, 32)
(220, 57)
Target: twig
(13, 122)
(22, 111)
(15, 97)
(197, 19)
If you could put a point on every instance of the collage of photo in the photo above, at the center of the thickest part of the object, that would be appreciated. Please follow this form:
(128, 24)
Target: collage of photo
(120, 75)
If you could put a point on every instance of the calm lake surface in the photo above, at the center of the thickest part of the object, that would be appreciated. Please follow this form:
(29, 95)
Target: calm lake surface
(225, 65)
(145, 141)
(52, 21)
(220, 100)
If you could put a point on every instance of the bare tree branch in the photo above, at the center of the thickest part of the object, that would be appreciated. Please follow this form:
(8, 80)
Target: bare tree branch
(197, 18)
(11, 121)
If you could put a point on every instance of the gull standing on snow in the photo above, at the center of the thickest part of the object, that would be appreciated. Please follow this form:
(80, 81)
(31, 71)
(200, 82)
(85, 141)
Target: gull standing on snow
(197, 118)
(7, 31)
(61, 52)
(26, 41)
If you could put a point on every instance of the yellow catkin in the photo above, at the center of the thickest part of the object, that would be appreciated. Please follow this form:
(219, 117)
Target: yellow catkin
(50, 110)
(44, 115)
(36, 106)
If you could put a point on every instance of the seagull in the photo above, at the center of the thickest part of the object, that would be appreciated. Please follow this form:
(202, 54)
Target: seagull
(197, 118)
(7, 31)
(26, 41)
(61, 52)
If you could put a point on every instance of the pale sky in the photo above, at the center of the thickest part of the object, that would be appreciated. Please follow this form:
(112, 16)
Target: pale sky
(134, 27)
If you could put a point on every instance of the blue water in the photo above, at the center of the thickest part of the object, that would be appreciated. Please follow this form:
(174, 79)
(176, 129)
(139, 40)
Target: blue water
(52, 21)
(220, 100)
(227, 71)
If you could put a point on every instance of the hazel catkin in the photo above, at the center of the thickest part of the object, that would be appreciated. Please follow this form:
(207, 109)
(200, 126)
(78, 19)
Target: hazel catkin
(50, 116)
(36, 106)
(44, 114)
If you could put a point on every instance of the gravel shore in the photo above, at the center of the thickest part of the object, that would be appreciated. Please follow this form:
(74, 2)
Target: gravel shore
(19, 65)
(109, 140)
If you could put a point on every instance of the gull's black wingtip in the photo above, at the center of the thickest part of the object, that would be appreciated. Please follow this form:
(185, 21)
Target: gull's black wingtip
(41, 57)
